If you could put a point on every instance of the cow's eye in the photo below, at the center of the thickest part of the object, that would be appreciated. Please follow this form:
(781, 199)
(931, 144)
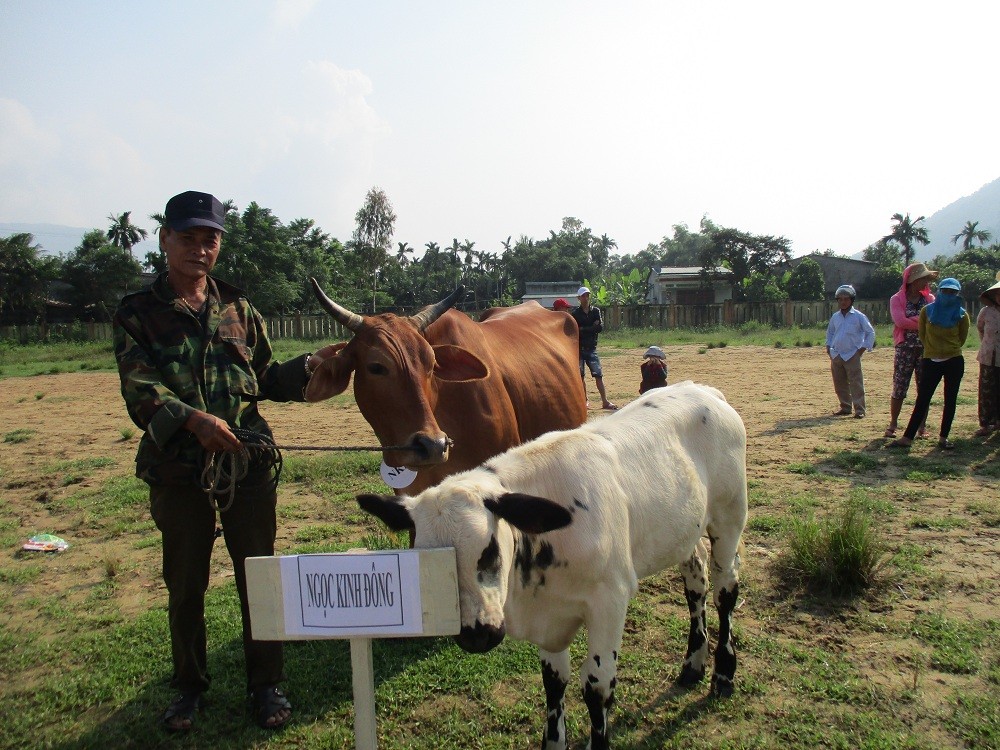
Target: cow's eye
(375, 368)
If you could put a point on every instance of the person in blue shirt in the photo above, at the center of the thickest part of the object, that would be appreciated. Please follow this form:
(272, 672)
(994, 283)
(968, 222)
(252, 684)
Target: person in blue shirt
(849, 334)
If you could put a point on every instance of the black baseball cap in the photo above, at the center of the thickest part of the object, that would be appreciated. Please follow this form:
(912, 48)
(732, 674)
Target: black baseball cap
(194, 209)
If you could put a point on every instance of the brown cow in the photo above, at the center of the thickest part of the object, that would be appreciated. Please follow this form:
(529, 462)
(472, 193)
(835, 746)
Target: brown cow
(455, 391)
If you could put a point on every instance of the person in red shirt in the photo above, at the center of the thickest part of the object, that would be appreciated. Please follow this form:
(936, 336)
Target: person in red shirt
(653, 369)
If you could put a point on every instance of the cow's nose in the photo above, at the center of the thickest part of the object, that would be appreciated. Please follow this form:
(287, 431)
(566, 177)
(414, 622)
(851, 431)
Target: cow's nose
(434, 449)
(480, 637)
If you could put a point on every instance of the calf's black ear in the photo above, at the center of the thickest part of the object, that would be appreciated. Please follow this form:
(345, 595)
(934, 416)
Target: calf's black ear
(530, 514)
(389, 509)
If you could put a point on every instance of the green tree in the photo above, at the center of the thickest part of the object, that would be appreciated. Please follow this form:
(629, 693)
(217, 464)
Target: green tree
(886, 279)
(403, 249)
(975, 268)
(971, 233)
(600, 250)
(98, 271)
(258, 258)
(375, 224)
(765, 287)
(318, 256)
(805, 283)
(644, 260)
(123, 233)
(685, 248)
(569, 254)
(905, 233)
(24, 277)
(618, 288)
(743, 254)
(884, 255)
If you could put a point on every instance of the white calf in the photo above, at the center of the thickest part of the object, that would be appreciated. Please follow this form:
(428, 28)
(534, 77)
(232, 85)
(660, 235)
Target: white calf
(556, 533)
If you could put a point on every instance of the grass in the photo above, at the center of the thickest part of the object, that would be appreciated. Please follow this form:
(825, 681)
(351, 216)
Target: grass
(113, 671)
(79, 669)
(18, 360)
(840, 554)
(20, 435)
(25, 360)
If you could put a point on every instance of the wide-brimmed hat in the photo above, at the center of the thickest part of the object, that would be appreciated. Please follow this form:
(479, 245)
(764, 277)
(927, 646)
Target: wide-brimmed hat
(986, 295)
(655, 351)
(919, 271)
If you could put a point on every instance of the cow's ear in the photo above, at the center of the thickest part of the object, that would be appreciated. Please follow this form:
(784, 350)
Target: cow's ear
(530, 514)
(331, 377)
(389, 509)
(456, 364)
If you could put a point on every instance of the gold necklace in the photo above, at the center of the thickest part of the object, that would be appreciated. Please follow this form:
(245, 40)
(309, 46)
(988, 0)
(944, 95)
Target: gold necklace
(194, 306)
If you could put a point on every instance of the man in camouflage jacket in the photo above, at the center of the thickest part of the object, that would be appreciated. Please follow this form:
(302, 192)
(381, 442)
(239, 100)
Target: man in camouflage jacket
(171, 367)
(194, 360)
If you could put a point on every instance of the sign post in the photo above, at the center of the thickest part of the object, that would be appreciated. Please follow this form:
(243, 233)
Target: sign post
(356, 595)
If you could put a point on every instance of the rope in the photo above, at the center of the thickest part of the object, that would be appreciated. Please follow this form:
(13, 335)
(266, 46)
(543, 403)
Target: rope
(337, 447)
(222, 472)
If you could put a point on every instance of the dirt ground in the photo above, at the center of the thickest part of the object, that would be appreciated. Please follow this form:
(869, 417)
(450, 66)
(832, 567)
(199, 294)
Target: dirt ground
(785, 397)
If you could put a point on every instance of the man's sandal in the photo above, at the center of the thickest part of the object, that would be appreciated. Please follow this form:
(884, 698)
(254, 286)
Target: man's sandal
(179, 716)
(267, 702)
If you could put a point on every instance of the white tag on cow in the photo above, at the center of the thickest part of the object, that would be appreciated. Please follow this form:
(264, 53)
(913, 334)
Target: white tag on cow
(397, 477)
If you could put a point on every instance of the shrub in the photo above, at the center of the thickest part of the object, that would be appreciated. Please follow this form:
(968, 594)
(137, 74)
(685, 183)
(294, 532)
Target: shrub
(840, 554)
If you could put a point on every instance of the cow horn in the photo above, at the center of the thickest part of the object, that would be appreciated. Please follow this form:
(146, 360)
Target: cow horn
(432, 312)
(350, 320)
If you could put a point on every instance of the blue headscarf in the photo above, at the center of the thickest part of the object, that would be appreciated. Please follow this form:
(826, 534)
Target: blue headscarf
(946, 309)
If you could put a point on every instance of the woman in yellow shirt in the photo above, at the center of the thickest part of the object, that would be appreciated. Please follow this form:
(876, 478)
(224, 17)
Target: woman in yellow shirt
(943, 329)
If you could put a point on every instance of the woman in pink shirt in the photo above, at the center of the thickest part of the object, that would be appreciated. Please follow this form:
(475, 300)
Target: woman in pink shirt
(905, 306)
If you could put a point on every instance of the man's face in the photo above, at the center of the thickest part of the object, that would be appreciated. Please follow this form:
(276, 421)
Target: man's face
(844, 301)
(191, 253)
(584, 301)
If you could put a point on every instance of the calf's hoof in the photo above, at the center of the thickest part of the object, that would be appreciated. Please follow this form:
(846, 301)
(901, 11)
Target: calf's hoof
(690, 676)
(722, 687)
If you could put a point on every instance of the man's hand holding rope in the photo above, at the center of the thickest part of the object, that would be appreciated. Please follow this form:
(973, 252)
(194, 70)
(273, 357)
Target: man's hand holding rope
(213, 433)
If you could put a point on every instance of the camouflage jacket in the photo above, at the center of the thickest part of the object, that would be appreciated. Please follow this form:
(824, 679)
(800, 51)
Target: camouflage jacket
(170, 365)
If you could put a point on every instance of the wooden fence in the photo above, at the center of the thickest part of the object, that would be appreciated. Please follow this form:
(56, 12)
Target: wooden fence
(775, 314)
(662, 317)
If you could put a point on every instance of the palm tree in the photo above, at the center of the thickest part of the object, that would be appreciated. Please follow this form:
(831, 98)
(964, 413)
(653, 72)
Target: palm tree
(404, 248)
(905, 232)
(456, 262)
(124, 234)
(469, 253)
(970, 234)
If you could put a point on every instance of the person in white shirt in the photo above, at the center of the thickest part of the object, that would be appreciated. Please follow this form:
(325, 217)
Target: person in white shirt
(848, 336)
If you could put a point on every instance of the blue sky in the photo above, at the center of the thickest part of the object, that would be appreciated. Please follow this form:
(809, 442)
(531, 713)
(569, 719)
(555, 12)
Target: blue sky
(484, 120)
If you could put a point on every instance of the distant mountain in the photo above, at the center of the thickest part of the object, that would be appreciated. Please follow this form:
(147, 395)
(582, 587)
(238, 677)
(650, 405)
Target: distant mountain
(982, 206)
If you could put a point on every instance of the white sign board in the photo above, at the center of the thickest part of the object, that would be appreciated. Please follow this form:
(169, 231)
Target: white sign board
(355, 595)
(388, 594)
(377, 593)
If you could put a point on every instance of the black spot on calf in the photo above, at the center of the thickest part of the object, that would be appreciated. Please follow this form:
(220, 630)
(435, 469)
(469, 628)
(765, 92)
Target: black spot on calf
(489, 562)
